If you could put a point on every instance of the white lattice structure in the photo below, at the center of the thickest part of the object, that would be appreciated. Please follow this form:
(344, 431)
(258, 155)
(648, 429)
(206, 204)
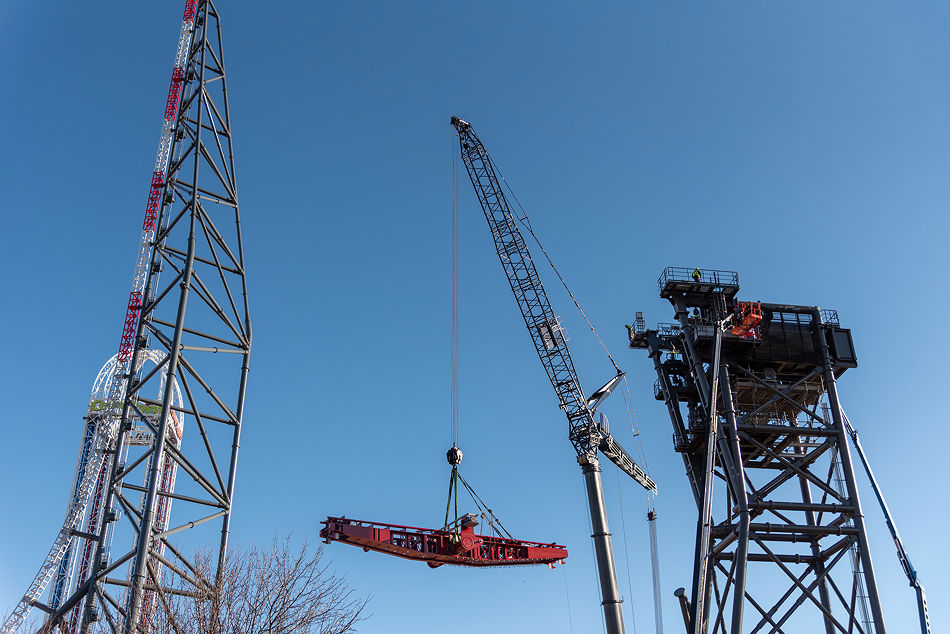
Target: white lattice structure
(70, 553)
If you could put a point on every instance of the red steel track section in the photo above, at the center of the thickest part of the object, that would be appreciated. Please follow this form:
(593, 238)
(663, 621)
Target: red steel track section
(437, 547)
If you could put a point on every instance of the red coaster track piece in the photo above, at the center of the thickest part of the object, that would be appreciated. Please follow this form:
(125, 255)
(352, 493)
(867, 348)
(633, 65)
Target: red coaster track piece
(437, 547)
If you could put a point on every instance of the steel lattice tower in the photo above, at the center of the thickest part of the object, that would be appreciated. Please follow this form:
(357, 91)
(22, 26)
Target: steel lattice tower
(781, 544)
(175, 400)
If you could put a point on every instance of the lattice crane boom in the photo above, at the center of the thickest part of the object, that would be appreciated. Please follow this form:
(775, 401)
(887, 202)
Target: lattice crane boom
(585, 433)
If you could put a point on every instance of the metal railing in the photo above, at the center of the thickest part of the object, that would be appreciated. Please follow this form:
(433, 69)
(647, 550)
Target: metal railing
(829, 317)
(706, 276)
(669, 329)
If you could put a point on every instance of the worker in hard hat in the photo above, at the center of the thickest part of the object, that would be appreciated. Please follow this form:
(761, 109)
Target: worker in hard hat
(697, 275)
(630, 332)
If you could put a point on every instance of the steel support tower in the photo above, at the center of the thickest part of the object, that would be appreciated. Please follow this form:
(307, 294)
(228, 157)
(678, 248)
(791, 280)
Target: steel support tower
(781, 544)
(188, 315)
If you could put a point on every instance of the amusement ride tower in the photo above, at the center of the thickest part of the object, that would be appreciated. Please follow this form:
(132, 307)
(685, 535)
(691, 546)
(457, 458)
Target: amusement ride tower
(751, 391)
(182, 363)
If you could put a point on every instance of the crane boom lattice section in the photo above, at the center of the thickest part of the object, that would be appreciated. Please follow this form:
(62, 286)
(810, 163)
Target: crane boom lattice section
(543, 325)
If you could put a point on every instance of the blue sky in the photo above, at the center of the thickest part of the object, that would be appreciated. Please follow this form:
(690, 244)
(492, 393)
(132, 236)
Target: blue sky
(805, 145)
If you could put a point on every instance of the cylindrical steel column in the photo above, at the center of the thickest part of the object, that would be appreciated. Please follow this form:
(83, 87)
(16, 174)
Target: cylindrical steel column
(847, 468)
(737, 477)
(680, 594)
(823, 594)
(702, 576)
(606, 570)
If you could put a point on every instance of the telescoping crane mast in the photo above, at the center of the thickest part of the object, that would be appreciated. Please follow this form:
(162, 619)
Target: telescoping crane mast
(586, 434)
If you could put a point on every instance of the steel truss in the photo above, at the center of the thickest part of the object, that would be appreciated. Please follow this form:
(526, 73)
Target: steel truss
(193, 310)
(781, 544)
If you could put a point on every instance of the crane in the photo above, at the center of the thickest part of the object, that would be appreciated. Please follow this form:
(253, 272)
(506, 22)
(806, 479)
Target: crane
(909, 570)
(587, 435)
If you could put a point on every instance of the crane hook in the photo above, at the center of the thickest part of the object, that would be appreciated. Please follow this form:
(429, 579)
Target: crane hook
(454, 455)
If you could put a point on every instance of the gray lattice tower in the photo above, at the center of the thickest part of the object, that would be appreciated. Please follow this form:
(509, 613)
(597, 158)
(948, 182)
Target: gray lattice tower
(195, 311)
(781, 544)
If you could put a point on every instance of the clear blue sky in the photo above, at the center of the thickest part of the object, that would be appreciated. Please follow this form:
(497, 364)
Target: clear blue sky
(806, 145)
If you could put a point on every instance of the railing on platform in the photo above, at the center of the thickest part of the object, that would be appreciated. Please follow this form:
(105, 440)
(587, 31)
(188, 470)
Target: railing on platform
(706, 276)
(829, 317)
(669, 329)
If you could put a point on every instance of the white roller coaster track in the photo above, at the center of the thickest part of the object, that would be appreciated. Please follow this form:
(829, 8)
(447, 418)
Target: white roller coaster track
(106, 432)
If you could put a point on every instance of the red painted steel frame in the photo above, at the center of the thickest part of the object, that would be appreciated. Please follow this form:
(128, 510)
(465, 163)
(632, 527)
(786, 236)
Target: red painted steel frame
(438, 547)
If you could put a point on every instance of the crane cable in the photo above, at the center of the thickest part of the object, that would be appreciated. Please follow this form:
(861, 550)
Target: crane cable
(523, 219)
(626, 554)
(635, 429)
(455, 477)
(651, 512)
(454, 455)
(454, 401)
(485, 511)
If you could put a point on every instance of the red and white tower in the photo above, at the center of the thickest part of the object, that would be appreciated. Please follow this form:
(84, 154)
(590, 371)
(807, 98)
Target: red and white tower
(182, 362)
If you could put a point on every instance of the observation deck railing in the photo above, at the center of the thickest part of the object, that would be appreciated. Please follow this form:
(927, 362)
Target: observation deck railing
(707, 276)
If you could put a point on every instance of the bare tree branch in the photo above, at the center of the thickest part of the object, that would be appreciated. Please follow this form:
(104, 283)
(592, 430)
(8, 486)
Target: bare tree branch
(258, 591)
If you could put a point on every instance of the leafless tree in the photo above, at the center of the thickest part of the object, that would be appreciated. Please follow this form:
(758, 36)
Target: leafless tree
(260, 591)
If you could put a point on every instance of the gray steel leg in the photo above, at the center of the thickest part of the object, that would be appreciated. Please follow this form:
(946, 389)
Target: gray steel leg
(737, 477)
(848, 469)
(606, 570)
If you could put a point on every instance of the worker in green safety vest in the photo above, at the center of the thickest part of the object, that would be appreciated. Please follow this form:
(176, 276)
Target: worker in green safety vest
(697, 275)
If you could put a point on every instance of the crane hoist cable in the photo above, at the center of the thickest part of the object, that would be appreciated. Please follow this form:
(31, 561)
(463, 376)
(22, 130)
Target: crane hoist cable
(454, 454)
(454, 402)
(634, 426)
(456, 543)
(655, 565)
(626, 553)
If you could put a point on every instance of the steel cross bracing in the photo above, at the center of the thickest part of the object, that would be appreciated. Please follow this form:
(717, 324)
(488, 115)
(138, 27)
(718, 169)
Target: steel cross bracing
(586, 435)
(100, 437)
(77, 559)
(769, 466)
(196, 316)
